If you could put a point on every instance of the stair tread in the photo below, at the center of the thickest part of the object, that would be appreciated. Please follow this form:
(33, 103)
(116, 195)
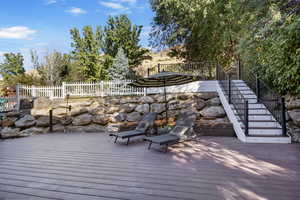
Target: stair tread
(265, 114)
(259, 120)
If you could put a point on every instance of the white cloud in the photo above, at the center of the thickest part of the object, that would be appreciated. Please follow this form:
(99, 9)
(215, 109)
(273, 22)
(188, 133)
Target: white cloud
(49, 2)
(113, 5)
(76, 11)
(129, 1)
(16, 32)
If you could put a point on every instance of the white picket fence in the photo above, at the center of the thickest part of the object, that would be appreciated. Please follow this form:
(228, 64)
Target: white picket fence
(82, 89)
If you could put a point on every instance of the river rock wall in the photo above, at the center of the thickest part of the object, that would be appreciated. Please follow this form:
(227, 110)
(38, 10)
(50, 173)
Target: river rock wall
(109, 113)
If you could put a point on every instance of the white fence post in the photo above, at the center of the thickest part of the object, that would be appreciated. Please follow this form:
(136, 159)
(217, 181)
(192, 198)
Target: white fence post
(63, 91)
(18, 96)
(33, 91)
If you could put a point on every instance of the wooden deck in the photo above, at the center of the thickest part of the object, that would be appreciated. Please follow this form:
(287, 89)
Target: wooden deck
(90, 166)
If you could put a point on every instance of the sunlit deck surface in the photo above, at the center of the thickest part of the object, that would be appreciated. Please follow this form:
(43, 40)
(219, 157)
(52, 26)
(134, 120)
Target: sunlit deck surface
(90, 166)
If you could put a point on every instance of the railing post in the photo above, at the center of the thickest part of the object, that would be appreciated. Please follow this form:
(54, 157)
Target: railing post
(218, 72)
(283, 113)
(239, 72)
(257, 83)
(229, 89)
(148, 72)
(158, 68)
(51, 120)
(246, 117)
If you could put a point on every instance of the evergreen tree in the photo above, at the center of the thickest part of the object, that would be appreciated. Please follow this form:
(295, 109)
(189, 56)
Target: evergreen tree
(12, 65)
(120, 67)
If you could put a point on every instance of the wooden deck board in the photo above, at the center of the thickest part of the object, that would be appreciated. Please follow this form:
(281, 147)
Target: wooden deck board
(90, 166)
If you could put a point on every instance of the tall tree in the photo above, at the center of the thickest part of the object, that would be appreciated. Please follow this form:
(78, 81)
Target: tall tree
(53, 68)
(86, 53)
(12, 65)
(121, 33)
(120, 67)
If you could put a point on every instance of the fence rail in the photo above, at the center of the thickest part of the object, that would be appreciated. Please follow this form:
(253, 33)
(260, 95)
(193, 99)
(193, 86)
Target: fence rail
(82, 89)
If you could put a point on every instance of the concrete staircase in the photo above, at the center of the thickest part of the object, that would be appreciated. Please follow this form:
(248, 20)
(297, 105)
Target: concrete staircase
(263, 128)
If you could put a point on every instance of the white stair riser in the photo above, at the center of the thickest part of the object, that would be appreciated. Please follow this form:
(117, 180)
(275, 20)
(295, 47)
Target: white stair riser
(256, 112)
(269, 132)
(256, 106)
(246, 96)
(252, 117)
(264, 124)
(283, 140)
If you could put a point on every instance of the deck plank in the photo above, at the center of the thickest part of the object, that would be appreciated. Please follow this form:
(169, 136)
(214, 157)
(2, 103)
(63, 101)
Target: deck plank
(90, 166)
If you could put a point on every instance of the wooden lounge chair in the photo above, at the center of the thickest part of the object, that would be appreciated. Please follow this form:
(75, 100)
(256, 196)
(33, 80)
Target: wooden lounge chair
(181, 132)
(142, 128)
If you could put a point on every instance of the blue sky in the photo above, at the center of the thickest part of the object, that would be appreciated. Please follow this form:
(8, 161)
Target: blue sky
(44, 24)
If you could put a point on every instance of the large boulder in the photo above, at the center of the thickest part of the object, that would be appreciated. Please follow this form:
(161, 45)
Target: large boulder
(60, 112)
(134, 117)
(207, 95)
(200, 104)
(161, 98)
(295, 116)
(183, 96)
(78, 111)
(112, 101)
(117, 117)
(82, 120)
(66, 120)
(101, 119)
(214, 102)
(126, 100)
(58, 128)
(33, 131)
(127, 108)
(293, 104)
(97, 111)
(40, 112)
(13, 114)
(44, 121)
(112, 109)
(158, 108)
(42, 103)
(213, 111)
(8, 122)
(75, 129)
(174, 104)
(25, 122)
(146, 99)
(10, 133)
(144, 108)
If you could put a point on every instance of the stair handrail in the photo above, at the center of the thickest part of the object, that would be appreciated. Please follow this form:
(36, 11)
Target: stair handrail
(234, 97)
(274, 102)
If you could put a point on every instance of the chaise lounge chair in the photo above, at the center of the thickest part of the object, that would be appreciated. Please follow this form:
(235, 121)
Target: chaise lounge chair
(181, 132)
(142, 128)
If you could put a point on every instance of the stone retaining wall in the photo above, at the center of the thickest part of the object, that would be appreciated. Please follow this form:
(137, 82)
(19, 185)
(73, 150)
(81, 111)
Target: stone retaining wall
(110, 113)
(293, 117)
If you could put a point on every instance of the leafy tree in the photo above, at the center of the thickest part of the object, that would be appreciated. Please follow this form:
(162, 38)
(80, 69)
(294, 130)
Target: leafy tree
(121, 33)
(120, 67)
(86, 53)
(12, 65)
(54, 68)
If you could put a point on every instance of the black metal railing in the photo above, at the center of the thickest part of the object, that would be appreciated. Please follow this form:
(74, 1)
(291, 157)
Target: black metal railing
(234, 97)
(205, 70)
(265, 95)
